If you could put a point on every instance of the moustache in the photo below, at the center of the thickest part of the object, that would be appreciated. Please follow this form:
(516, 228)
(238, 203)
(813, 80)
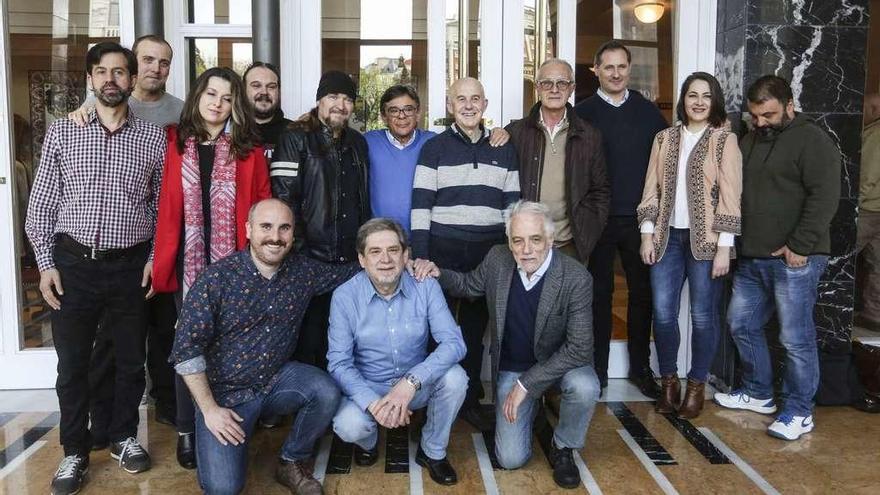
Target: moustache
(274, 243)
(265, 98)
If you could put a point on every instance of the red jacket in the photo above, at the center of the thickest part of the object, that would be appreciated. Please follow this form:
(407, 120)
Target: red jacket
(251, 186)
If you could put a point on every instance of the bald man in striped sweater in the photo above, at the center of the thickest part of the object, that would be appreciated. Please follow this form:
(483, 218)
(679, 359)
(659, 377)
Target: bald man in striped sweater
(461, 187)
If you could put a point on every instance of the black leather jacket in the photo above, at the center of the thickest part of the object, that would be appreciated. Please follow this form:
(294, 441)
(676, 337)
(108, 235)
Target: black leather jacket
(305, 174)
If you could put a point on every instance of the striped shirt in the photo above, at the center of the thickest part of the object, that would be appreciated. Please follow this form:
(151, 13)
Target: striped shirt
(99, 187)
(461, 189)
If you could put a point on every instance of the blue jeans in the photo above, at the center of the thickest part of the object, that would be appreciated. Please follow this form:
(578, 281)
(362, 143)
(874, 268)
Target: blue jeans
(667, 278)
(513, 441)
(758, 286)
(301, 389)
(443, 397)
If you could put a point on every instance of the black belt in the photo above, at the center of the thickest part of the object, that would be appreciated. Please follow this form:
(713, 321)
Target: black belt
(70, 245)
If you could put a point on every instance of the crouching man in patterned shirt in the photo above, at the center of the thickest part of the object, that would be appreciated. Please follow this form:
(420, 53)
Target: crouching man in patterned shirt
(380, 321)
(238, 327)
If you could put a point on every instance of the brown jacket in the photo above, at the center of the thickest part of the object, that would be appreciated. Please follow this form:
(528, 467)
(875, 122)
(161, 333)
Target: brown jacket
(588, 190)
(714, 187)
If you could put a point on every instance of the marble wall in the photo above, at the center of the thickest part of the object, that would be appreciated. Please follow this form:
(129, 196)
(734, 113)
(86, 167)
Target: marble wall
(820, 46)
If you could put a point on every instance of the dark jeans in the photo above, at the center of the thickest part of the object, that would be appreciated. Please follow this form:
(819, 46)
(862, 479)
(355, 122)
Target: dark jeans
(311, 347)
(667, 278)
(162, 316)
(471, 314)
(185, 406)
(621, 235)
(93, 289)
(301, 389)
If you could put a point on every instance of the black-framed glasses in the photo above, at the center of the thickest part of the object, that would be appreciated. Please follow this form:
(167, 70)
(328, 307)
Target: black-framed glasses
(405, 111)
(561, 84)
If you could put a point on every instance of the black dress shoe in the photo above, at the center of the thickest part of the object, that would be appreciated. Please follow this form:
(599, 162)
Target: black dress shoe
(565, 473)
(475, 417)
(366, 457)
(647, 384)
(869, 403)
(186, 450)
(441, 471)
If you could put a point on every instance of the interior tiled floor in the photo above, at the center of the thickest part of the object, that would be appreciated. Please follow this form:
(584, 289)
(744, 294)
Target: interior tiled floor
(630, 449)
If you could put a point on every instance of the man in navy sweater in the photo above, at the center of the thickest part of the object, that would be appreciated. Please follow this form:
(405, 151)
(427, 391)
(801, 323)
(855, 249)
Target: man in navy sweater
(628, 123)
(461, 187)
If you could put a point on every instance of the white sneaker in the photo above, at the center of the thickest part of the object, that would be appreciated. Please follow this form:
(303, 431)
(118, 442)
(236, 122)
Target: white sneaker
(738, 399)
(788, 427)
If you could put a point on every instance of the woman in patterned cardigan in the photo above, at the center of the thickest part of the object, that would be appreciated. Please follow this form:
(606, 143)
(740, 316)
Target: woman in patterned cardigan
(689, 214)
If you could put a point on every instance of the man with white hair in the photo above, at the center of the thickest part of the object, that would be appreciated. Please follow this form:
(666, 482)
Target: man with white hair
(542, 336)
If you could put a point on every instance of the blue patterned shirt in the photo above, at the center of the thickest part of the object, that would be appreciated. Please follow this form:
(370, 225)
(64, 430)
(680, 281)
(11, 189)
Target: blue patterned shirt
(378, 340)
(240, 328)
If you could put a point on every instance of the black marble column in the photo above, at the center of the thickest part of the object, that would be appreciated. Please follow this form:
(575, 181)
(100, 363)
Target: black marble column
(820, 46)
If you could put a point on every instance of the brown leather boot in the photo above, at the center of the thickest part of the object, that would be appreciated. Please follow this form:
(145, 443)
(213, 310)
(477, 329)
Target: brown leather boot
(297, 477)
(693, 400)
(670, 396)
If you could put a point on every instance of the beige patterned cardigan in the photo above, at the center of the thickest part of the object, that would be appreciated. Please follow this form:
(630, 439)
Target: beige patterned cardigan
(714, 187)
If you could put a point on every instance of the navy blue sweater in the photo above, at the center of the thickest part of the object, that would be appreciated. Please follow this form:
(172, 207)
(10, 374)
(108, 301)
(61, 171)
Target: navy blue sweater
(461, 189)
(627, 134)
(518, 343)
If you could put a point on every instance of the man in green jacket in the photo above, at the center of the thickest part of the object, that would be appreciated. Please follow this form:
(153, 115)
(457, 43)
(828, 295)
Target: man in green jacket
(791, 188)
(868, 241)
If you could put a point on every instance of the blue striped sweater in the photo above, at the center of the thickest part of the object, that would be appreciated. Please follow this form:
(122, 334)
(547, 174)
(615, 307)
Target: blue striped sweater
(461, 189)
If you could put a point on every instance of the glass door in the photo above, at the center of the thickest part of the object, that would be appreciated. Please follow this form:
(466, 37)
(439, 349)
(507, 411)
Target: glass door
(41, 80)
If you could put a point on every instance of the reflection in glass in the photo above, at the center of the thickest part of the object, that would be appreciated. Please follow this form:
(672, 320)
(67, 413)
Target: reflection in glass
(379, 43)
(539, 43)
(47, 80)
(235, 53)
(219, 11)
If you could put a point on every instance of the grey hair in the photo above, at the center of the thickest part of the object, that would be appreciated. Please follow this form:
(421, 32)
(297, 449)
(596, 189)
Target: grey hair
(556, 61)
(522, 206)
(374, 225)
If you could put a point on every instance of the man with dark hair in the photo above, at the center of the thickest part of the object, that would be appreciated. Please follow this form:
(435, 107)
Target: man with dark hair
(561, 162)
(791, 187)
(263, 85)
(320, 169)
(628, 123)
(91, 219)
(380, 324)
(232, 347)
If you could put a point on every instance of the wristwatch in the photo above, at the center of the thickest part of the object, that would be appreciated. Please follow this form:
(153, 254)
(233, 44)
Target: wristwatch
(412, 380)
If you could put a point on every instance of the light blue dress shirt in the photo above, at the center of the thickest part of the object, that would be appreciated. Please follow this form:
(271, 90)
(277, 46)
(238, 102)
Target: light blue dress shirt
(377, 340)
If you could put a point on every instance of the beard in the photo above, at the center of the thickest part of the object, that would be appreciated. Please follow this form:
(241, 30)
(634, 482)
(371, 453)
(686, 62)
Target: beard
(112, 100)
(269, 112)
(773, 130)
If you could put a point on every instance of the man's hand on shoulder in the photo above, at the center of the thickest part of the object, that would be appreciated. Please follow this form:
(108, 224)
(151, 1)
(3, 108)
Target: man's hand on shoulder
(81, 114)
(421, 269)
(498, 137)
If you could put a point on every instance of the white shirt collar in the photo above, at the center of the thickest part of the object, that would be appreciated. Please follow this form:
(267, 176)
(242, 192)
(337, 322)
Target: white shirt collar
(397, 144)
(563, 121)
(539, 273)
(611, 102)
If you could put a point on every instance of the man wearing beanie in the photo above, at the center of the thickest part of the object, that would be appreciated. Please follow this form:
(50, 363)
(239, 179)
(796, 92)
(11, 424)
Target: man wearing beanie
(319, 169)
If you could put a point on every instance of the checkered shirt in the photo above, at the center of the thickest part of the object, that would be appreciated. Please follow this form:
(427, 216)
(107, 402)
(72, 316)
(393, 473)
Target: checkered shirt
(101, 188)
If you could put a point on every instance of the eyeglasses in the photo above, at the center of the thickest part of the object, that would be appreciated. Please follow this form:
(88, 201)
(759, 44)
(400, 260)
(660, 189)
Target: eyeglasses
(405, 111)
(561, 84)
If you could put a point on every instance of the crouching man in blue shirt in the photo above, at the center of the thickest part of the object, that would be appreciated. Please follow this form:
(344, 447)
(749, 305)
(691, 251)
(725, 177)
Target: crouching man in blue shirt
(378, 352)
(238, 327)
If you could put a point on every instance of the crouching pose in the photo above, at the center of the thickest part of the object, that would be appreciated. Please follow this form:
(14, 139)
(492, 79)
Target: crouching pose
(238, 327)
(541, 323)
(379, 326)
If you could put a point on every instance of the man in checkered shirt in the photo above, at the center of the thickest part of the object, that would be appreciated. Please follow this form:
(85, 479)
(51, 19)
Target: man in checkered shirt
(91, 220)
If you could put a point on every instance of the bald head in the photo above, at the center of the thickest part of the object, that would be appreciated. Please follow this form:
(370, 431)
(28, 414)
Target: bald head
(872, 107)
(466, 101)
(269, 206)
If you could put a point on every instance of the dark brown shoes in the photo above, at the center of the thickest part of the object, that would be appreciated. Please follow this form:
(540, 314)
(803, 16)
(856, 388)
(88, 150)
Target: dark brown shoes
(670, 395)
(694, 395)
(297, 477)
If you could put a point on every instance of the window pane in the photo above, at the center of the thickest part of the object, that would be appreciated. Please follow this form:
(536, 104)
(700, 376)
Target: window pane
(532, 59)
(204, 53)
(379, 43)
(219, 11)
(47, 80)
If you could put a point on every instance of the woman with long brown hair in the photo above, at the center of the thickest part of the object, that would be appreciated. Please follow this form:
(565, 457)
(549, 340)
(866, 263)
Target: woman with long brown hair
(214, 172)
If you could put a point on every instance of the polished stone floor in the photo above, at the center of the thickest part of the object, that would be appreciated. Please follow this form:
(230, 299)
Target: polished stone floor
(630, 449)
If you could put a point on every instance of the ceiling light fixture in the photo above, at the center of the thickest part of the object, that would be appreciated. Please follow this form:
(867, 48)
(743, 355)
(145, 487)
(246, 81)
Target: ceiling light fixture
(648, 12)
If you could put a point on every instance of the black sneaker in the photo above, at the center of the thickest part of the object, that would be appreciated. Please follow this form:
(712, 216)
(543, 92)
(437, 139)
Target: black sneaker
(565, 472)
(68, 478)
(131, 456)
